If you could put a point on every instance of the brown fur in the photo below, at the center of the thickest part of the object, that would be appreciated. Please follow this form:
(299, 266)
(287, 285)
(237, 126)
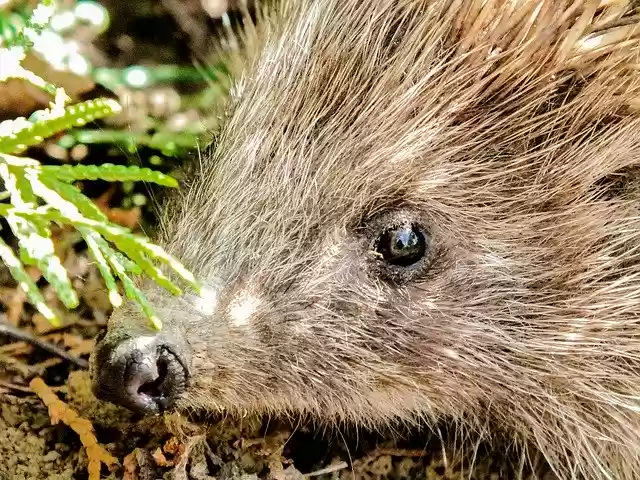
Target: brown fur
(509, 129)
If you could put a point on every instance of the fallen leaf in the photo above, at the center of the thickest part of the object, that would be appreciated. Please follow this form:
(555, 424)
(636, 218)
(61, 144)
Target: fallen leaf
(172, 446)
(130, 464)
(60, 411)
(160, 459)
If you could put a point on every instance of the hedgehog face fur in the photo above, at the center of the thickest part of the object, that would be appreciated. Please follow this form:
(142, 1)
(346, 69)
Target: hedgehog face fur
(421, 210)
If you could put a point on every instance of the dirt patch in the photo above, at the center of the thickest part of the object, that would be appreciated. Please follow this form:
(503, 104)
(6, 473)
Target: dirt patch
(175, 447)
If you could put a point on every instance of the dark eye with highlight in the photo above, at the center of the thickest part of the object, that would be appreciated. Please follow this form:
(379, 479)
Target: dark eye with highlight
(402, 245)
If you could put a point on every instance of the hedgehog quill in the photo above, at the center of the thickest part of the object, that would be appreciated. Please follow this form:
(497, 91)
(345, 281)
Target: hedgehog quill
(415, 211)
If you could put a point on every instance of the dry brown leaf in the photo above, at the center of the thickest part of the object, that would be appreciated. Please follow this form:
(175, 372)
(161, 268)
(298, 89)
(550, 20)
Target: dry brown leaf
(48, 363)
(63, 239)
(160, 459)
(180, 470)
(71, 340)
(75, 344)
(60, 411)
(9, 363)
(125, 218)
(13, 299)
(16, 349)
(130, 464)
(40, 324)
(83, 348)
(102, 202)
(19, 98)
(33, 272)
(173, 446)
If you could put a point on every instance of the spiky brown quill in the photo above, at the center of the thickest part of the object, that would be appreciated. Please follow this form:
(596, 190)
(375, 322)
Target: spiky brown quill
(509, 130)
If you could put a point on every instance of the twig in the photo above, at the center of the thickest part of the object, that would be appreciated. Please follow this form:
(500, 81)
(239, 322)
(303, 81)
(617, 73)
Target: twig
(397, 452)
(9, 330)
(329, 469)
(14, 386)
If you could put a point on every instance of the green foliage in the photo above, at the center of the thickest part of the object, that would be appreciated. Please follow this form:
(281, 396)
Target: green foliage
(41, 195)
(110, 173)
(169, 143)
(19, 134)
(17, 28)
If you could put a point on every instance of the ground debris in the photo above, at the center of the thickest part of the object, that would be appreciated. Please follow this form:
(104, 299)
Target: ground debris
(60, 411)
(139, 465)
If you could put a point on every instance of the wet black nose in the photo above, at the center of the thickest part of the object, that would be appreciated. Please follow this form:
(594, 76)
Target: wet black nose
(143, 374)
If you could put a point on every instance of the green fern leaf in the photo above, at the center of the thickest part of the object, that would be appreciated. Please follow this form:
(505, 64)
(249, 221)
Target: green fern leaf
(18, 187)
(14, 26)
(34, 236)
(109, 173)
(136, 248)
(29, 185)
(133, 293)
(127, 242)
(72, 194)
(129, 266)
(103, 266)
(133, 245)
(159, 254)
(170, 143)
(148, 267)
(19, 134)
(26, 283)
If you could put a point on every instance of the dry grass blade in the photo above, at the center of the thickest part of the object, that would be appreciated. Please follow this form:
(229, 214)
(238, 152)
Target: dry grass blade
(60, 411)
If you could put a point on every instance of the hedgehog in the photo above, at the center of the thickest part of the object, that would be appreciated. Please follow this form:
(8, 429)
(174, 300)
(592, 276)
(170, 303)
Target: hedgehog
(419, 212)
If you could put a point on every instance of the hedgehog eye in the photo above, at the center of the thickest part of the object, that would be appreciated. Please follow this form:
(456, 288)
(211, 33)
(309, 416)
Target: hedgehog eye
(402, 245)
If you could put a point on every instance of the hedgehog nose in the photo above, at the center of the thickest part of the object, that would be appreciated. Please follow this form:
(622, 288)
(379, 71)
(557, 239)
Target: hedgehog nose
(143, 374)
